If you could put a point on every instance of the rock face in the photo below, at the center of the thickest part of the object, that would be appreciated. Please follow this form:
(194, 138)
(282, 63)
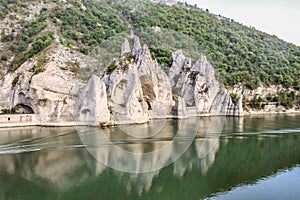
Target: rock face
(138, 88)
(125, 94)
(134, 91)
(199, 88)
(50, 94)
(125, 48)
(6, 91)
(155, 83)
(136, 46)
(93, 108)
(180, 109)
(264, 92)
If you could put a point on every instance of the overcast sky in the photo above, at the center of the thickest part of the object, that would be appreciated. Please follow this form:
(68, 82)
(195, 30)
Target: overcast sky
(276, 17)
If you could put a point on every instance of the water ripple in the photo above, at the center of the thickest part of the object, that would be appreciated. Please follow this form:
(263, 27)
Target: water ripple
(263, 132)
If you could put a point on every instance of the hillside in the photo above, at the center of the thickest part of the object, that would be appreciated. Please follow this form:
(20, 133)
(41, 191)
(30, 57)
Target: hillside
(241, 55)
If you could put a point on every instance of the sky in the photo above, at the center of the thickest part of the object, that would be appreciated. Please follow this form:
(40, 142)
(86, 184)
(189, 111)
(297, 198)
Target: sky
(276, 17)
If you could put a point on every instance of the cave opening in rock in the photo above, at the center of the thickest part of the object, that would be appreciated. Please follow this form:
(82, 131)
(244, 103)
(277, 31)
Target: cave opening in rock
(86, 113)
(24, 109)
(149, 105)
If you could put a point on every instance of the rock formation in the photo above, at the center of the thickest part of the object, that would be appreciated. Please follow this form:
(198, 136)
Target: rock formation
(138, 88)
(125, 48)
(136, 46)
(199, 87)
(155, 83)
(49, 91)
(180, 109)
(93, 108)
(135, 90)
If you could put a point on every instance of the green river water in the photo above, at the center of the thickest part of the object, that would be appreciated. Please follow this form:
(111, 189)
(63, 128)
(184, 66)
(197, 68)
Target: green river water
(255, 157)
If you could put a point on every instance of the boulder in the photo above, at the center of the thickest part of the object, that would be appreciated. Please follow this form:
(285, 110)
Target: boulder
(47, 89)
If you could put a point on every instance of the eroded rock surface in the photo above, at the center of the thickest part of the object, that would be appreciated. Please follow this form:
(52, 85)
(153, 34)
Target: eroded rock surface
(135, 89)
(200, 88)
(138, 89)
(93, 109)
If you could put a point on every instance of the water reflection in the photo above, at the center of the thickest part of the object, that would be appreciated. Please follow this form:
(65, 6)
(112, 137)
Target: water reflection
(55, 161)
(135, 155)
(52, 166)
(56, 158)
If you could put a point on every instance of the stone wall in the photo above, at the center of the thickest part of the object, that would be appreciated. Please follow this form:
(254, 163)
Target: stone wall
(24, 118)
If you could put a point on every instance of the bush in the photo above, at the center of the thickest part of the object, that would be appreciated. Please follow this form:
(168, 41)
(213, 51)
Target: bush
(8, 111)
(41, 42)
(110, 67)
(234, 98)
(163, 57)
(15, 81)
(6, 38)
(4, 57)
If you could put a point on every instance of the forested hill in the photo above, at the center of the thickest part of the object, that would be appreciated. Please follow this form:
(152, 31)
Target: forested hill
(240, 54)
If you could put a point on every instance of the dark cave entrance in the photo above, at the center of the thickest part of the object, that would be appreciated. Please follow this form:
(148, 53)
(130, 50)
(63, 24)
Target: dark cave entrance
(149, 105)
(24, 109)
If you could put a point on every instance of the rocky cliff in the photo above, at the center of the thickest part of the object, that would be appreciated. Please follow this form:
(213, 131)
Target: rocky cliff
(47, 88)
(133, 89)
(138, 88)
(198, 87)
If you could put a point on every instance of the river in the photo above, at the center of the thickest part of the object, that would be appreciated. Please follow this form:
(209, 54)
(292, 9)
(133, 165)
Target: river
(257, 157)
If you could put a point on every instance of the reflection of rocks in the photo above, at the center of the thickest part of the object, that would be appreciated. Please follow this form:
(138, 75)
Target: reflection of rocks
(59, 166)
(209, 148)
(120, 158)
(138, 183)
(70, 172)
(235, 124)
(54, 166)
(206, 146)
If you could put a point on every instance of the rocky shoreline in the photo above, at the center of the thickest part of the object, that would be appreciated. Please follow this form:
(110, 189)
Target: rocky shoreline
(271, 112)
(5, 124)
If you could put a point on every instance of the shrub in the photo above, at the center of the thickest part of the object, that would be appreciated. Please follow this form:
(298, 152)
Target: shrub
(15, 81)
(110, 67)
(4, 57)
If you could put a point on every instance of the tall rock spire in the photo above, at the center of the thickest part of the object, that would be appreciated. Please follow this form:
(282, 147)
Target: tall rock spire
(136, 46)
(125, 48)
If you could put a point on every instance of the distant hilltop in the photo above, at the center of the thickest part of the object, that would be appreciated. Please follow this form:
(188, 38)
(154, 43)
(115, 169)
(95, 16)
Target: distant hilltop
(176, 2)
(167, 2)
